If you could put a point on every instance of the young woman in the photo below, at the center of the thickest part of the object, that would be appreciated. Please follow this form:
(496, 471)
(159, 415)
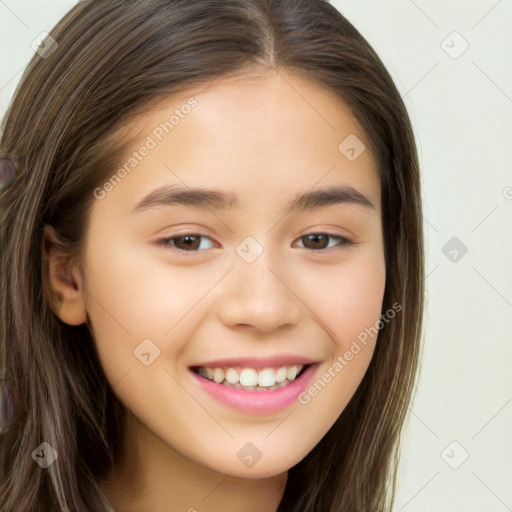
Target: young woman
(211, 263)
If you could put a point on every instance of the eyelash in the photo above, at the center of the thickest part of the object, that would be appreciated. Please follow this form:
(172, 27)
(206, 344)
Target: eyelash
(164, 242)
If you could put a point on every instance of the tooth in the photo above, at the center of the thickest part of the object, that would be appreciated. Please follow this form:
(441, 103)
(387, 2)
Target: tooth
(248, 377)
(218, 375)
(281, 374)
(232, 376)
(266, 378)
(292, 373)
(209, 373)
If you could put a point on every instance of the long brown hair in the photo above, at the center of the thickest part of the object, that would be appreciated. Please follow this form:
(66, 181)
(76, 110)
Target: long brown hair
(64, 130)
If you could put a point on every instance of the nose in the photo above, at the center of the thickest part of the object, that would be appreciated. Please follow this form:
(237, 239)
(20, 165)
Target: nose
(256, 295)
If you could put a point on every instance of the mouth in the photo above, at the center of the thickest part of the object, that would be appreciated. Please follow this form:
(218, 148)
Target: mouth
(252, 379)
(260, 390)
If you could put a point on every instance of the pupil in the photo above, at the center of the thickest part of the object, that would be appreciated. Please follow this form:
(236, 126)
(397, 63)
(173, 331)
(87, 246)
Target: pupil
(315, 239)
(188, 239)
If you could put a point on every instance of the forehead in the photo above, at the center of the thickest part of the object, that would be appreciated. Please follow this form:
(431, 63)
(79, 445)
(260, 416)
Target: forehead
(272, 131)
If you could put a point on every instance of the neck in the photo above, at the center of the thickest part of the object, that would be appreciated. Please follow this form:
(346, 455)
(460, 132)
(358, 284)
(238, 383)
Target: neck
(150, 475)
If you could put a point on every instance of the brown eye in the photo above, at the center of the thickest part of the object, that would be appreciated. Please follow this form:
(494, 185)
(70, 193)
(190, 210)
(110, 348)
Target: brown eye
(189, 242)
(320, 241)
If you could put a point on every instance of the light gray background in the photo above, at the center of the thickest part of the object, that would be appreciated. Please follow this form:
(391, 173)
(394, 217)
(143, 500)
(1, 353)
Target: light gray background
(461, 108)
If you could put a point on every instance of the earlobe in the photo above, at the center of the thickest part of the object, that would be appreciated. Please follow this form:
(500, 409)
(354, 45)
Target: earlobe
(62, 281)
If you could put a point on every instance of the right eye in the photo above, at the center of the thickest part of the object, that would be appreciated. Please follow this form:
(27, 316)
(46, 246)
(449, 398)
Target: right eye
(320, 238)
(183, 242)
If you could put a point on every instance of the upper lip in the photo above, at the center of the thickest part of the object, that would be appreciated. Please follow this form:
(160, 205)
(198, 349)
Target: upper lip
(257, 362)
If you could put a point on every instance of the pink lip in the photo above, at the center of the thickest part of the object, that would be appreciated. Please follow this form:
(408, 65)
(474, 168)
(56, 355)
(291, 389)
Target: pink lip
(256, 362)
(257, 402)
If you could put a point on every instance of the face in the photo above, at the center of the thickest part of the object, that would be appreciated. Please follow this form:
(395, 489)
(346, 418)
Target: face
(226, 279)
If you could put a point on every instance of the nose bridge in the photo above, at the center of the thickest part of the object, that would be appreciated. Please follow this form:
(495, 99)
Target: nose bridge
(256, 293)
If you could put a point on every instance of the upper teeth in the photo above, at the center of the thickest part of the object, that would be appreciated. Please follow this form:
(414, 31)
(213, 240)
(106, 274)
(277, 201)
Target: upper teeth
(266, 377)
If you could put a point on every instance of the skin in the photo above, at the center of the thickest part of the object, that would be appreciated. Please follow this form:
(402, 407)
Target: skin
(265, 136)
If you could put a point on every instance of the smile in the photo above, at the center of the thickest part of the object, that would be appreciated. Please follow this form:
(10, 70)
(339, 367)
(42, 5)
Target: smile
(252, 379)
(261, 391)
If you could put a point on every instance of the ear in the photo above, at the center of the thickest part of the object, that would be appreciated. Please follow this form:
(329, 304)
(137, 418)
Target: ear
(62, 281)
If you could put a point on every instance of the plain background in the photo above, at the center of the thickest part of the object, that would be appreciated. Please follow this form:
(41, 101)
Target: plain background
(457, 454)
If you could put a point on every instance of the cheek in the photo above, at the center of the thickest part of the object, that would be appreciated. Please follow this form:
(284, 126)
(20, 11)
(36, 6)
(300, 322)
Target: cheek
(348, 303)
(348, 298)
(134, 296)
(141, 291)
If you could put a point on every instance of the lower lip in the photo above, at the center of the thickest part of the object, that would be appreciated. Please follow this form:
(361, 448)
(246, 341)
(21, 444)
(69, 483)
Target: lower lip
(258, 402)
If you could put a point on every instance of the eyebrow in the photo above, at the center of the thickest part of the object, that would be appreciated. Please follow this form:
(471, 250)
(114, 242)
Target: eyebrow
(212, 199)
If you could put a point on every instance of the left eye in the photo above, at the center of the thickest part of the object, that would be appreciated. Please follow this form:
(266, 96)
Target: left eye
(191, 242)
(320, 238)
